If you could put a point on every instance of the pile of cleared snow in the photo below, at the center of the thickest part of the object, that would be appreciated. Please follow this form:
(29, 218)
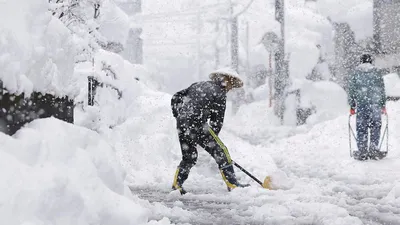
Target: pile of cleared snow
(146, 142)
(328, 98)
(257, 121)
(392, 84)
(57, 173)
(36, 49)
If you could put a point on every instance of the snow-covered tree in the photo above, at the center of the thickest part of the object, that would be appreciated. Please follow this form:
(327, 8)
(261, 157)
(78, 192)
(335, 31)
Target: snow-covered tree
(82, 18)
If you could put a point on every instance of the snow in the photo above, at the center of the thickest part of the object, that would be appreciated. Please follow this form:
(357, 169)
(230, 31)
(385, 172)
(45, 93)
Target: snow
(35, 54)
(392, 84)
(71, 176)
(357, 13)
(114, 23)
(226, 70)
(328, 98)
(312, 166)
(115, 165)
(131, 80)
(317, 180)
(305, 30)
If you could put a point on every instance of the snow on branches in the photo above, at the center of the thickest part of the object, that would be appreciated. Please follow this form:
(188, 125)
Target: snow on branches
(81, 17)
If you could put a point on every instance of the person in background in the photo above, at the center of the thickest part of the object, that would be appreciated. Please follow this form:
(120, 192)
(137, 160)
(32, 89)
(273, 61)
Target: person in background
(367, 99)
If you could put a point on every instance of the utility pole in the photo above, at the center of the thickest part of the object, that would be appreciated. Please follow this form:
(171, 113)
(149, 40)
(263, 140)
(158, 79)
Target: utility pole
(281, 75)
(138, 56)
(198, 43)
(217, 62)
(234, 41)
(247, 49)
(272, 44)
(377, 4)
(133, 51)
(270, 79)
(217, 52)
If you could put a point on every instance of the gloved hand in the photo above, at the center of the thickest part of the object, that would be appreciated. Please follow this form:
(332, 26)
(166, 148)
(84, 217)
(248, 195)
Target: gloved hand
(384, 110)
(175, 109)
(352, 111)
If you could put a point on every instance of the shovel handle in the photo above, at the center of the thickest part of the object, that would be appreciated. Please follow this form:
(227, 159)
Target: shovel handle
(249, 174)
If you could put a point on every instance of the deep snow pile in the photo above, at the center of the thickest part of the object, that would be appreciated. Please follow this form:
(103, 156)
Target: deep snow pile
(53, 172)
(39, 54)
(35, 54)
(392, 84)
(328, 99)
(58, 173)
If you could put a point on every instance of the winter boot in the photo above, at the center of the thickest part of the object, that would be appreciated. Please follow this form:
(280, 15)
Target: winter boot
(360, 155)
(180, 176)
(228, 175)
(375, 154)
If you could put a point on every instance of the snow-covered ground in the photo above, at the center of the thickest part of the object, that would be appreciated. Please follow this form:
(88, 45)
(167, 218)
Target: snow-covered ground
(392, 84)
(116, 164)
(69, 174)
(58, 173)
(319, 183)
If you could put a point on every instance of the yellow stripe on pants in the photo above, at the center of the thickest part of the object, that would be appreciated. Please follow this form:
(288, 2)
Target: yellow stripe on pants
(175, 184)
(216, 138)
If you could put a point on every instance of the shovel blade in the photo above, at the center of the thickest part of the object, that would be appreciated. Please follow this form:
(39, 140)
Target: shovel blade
(267, 184)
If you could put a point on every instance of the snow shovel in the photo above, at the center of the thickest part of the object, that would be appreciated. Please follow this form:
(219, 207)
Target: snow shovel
(385, 134)
(267, 181)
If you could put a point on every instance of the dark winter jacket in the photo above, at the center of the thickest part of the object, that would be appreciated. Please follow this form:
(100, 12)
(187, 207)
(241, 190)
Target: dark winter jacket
(200, 102)
(366, 87)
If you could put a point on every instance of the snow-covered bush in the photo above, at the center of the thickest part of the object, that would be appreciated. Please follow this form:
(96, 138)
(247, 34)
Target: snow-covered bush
(92, 27)
(122, 81)
(36, 49)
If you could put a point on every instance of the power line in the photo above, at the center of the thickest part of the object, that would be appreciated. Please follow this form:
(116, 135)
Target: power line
(244, 9)
(204, 41)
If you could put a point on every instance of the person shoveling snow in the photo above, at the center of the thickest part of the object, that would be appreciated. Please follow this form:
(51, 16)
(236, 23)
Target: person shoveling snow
(192, 108)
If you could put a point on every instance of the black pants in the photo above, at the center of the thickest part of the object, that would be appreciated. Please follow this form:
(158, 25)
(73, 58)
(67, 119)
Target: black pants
(192, 134)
